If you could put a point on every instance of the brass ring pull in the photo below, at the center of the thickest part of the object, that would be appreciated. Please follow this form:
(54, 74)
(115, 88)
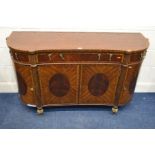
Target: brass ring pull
(62, 56)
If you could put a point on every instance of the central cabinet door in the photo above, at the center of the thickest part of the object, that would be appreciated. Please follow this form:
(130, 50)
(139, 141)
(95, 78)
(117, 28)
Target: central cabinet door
(98, 83)
(59, 84)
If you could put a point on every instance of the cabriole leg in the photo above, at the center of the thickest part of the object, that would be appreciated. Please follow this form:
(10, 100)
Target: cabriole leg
(40, 110)
(115, 109)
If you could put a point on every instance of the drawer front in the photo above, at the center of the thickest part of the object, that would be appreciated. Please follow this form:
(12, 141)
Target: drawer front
(60, 57)
(116, 57)
(59, 84)
(98, 83)
(137, 57)
(20, 57)
(79, 57)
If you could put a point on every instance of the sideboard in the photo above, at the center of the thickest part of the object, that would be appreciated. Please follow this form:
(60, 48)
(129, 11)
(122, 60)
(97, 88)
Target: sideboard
(76, 68)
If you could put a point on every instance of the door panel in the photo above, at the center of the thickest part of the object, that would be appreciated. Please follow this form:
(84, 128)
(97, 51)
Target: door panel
(98, 83)
(25, 83)
(59, 84)
(129, 83)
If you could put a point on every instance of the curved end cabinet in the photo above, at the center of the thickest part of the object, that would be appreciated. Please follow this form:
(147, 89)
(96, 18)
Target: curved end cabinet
(76, 68)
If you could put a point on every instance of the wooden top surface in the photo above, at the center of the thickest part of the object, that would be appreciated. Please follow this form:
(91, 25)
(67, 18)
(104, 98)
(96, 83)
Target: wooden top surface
(37, 41)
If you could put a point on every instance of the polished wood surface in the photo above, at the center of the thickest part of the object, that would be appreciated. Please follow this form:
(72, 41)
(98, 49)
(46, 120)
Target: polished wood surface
(65, 87)
(129, 83)
(25, 84)
(55, 68)
(103, 89)
(38, 41)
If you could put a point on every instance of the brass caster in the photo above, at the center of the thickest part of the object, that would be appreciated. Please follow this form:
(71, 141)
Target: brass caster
(114, 109)
(40, 111)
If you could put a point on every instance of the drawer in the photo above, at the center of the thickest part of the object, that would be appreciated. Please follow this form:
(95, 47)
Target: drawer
(67, 57)
(20, 57)
(136, 57)
(111, 57)
(116, 57)
(79, 57)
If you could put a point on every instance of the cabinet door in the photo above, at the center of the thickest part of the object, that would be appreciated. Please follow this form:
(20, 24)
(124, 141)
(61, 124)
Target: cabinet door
(25, 83)
(59, 84)
(98, 83)
(129, 83)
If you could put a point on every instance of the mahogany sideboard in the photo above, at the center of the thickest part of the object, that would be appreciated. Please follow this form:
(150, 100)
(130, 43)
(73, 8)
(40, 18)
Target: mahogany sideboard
(76, 68)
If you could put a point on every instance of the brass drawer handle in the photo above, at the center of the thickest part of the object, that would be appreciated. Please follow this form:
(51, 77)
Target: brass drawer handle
(62, 56)
(16, 55)
(143, 55)
(99, 56)
(49, 56)
(110, 56)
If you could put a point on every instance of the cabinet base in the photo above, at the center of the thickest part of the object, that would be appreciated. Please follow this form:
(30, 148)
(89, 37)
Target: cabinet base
(40, 111)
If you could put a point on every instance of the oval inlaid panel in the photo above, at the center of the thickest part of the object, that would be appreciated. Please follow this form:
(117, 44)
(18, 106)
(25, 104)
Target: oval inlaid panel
(21, 84)
(132, 85)
(59, 85)
(98, 84)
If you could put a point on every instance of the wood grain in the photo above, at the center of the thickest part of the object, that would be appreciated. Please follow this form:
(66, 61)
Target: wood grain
(56, 68)
(128, 85)
(25, 72)
(39, 41)
(87, 72)
(71, 73)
